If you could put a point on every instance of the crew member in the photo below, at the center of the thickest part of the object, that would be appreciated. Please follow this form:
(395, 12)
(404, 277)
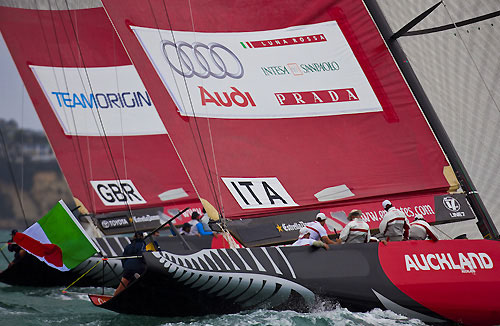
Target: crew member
(194, 223)
(16, 249)
(132, 267)
(203, 226)
(304, 240)
(152, 244)
(357, 230)
(317, 229)
(395, 225)
(421, 230)
(186, 229)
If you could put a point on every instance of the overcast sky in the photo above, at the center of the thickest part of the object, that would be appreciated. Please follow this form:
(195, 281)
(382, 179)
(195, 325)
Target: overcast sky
(14, 100)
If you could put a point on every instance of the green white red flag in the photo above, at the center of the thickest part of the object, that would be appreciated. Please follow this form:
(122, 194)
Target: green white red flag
(57, 239)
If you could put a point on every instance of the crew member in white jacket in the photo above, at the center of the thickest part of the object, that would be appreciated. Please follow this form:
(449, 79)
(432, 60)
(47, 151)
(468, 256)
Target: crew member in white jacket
(395, 225)
(304, 240)
(357, 230)
(421, 230)
(317, 229)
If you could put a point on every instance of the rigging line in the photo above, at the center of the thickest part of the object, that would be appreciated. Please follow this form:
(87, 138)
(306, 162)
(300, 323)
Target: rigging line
(168, 135)
(221, 208)
(121, 115)
(208, 174)
(85, 89)
(77, 136)
(87, 139)
(73, 140)
(105, 138)
(471, 57)
(182, 101)
(171, 141)
(11, 171)
(177, 86)
(22, 143)
(86, 185)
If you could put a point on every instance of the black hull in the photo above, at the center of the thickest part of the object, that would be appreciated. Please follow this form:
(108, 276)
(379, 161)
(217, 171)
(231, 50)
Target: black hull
(358, 276)
(30, 271)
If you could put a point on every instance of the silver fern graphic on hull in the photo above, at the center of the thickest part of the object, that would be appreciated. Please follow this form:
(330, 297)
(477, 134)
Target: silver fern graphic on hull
(237, 275)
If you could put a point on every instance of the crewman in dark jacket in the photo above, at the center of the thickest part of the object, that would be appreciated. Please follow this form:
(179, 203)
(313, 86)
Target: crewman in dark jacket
(132, 267)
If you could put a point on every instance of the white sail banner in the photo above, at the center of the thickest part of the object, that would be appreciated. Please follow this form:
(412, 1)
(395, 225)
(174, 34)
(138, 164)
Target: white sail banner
(117, 192)
(88, 100)
(259, 192)
(301, 71)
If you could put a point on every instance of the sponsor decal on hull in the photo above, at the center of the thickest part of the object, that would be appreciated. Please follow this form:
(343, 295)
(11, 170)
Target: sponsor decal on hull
(287, 227)
(122, 221)
(465, 262)
(99, 101)
(435, 274)
(230, 75)
(235, 281)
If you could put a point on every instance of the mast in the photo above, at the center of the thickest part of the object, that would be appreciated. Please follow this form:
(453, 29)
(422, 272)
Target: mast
(485, 223)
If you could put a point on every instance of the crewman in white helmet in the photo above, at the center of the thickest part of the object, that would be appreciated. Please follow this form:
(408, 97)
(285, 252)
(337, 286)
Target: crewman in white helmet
(421, 230)
(317, 229)
(304, 240)
(357, 230)
(395, 225)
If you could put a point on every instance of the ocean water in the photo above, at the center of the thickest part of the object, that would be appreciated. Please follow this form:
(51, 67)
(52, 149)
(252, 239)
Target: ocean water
(30, 306)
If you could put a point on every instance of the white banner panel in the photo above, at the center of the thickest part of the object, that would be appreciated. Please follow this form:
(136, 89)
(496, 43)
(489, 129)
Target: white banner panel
(117, 193)
(83, 97)
(301, 71)
(258, 192)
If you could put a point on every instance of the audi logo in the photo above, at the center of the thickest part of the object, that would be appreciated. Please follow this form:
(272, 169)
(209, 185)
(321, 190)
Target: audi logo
(191, 61)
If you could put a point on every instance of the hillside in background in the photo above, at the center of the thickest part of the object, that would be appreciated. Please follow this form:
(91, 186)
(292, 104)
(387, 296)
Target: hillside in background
(27, 161)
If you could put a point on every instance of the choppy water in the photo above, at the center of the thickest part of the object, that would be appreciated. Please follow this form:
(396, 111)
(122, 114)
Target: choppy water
(28, 306)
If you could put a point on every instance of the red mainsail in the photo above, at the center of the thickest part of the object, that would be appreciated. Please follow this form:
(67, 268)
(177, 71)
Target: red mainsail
(102, 124)
(279, 107)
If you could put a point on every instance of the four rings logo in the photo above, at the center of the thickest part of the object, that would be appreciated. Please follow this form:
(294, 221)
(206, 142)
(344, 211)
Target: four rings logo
(451, 204)
(194, 62)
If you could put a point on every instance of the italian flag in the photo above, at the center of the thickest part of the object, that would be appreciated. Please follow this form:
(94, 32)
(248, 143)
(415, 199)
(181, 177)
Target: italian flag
(57, 239)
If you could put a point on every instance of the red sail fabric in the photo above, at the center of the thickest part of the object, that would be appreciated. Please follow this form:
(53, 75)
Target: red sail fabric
(279, 106)
(72, 62)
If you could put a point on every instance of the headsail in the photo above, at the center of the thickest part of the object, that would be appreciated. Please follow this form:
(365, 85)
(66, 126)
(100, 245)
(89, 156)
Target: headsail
(280, 110)
(450, 53)
(101, 122)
